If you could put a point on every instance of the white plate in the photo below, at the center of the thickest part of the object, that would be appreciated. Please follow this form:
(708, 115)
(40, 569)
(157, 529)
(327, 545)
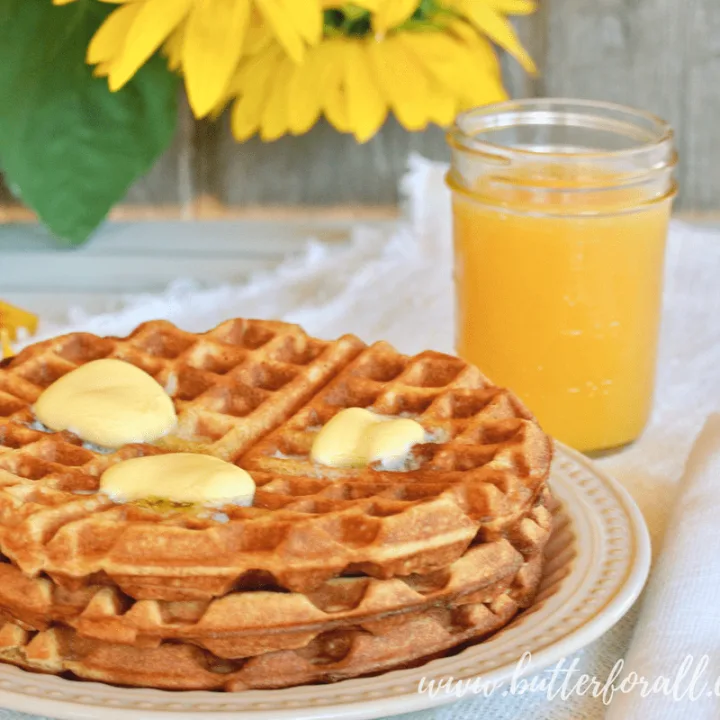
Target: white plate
(598, 561)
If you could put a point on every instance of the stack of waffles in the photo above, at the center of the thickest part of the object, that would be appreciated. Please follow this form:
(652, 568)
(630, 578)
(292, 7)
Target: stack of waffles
(330, 574)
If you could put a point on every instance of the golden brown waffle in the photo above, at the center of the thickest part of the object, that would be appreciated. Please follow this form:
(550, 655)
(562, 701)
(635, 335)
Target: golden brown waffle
(361, 646)
(102, 612)
(350, 652)
(229, 386)
(486, 453)
(330, 574)
(308, 524)
(250, 623)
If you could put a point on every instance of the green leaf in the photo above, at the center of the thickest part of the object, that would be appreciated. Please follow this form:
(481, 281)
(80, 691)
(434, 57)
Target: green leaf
(68, 146)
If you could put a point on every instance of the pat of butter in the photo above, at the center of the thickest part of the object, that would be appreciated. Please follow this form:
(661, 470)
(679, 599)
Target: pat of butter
(107, 402)
(180, 478)
(356, 437)
(392, 439)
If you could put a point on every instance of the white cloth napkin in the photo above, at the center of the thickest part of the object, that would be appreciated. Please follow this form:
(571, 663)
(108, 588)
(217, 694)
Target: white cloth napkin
(678, 634)
(399, 288)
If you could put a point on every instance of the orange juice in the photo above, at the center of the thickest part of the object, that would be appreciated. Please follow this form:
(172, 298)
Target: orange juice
(563, 305)
(561, 212)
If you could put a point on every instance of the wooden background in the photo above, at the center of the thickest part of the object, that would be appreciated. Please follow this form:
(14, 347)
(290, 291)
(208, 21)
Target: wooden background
(660, 55)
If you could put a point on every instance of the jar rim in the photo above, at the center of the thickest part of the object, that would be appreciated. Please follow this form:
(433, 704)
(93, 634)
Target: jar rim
(656, 130)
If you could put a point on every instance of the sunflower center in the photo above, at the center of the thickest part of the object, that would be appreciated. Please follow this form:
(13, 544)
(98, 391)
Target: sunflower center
(355, 21)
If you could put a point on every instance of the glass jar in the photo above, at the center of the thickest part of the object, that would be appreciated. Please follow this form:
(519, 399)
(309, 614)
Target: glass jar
(560, 213)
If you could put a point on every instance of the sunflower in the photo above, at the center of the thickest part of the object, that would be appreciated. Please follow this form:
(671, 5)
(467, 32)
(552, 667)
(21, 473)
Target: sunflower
(209, 34)
(355, 82)
(284, 63)
(424, 63)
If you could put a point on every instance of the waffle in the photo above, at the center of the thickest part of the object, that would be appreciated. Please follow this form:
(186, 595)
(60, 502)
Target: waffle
(250, 623)
(330, 574)
(306, 526)
(330, 652)
(355, 651)
(229, 386)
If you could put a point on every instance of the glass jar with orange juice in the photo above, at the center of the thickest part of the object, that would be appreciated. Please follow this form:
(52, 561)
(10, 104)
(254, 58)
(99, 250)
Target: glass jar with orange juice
(560, 212)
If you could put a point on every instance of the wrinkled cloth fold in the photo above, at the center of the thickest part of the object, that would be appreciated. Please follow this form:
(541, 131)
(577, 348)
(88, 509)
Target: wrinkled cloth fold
(678, 633)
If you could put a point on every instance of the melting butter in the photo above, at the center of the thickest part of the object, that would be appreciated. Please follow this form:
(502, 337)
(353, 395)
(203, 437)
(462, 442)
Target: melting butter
(392, 439)
(356, 437)
(342, 441)
(179, 478)
(108, 403)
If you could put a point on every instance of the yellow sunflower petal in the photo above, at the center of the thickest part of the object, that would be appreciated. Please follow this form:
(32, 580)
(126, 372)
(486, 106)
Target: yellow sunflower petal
(402, 80)
(331, 54)
(248, 68)
(487, 86)
(102, 69)
(442, 104)
(392, 13)
(498, 29)
(244, 119)
(488, 90)
(212, 47)
(371, 5)
(284, 30)
(336, 109)
(513, 7)
(257, 39)
(463, 30)
(307, 18)
(155, 20)
(366, 106)
(256, 74)
(333, 97)
(487, 57)
(173, 47)
(108, 41)
(449, 61)
(274, 122)
(304, 92)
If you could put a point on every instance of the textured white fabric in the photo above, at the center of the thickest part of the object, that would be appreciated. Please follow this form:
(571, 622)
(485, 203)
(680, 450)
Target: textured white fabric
(399, 288)
(681, 614)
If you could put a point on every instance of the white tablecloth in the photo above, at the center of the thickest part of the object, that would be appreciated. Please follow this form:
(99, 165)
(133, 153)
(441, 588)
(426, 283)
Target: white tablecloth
(399, 288)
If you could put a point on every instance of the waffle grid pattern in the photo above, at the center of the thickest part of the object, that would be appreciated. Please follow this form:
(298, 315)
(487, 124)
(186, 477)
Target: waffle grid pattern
(102, 612)
(372, 647)
(326, 574)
